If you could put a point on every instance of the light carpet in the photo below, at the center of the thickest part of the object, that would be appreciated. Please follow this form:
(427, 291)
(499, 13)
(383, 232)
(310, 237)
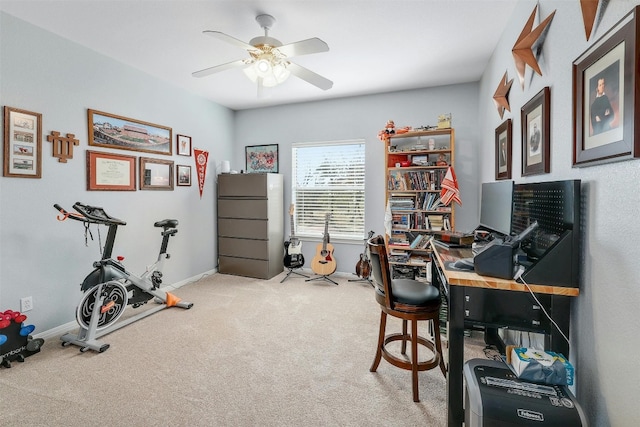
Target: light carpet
(249, 353)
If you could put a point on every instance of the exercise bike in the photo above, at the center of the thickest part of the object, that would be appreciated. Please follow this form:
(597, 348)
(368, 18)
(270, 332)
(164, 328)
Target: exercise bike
(109, 288)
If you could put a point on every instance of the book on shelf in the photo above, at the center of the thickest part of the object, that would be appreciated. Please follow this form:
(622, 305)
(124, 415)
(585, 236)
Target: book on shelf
(436, 222)
(421, 241)
(401, 203)
(415, 180)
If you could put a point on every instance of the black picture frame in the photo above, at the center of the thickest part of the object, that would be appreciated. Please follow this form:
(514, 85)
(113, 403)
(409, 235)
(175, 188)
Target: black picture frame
(183, 145)
(613, 62)
(535, 128)
(183, 175)
(262, 158)
(504, 142)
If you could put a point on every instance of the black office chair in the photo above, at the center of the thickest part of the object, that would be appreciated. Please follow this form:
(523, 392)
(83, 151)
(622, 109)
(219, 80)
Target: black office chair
(409, 300)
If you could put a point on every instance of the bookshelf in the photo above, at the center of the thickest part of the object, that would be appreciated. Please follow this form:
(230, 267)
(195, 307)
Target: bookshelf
(415, 164)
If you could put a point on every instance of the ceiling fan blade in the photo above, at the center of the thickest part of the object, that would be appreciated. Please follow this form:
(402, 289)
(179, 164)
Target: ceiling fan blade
(227, 38)
(211, 70)
(304, 47)
(310, 77)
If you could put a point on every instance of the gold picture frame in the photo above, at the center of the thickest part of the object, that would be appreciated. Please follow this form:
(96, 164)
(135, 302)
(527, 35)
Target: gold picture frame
(112, 131)
(22, 143)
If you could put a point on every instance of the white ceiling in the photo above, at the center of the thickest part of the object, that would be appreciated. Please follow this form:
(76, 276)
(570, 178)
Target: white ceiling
(375, 46)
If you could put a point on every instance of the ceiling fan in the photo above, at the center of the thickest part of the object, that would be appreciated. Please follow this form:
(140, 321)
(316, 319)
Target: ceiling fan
(268, 63)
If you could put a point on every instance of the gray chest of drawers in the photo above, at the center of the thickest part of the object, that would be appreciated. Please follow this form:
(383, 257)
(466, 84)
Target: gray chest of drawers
(250, 224)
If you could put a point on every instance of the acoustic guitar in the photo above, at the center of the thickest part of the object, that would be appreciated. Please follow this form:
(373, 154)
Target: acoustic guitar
(323, 263)
(293, 257)
(363, 266)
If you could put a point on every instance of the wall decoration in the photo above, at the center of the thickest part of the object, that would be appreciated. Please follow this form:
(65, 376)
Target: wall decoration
(184, 145)
(183, 175)
(111, 131)
(536, 144)
(202, 159)
(503, 150)
(62, 146)
(592, 11)
(156, 174)
(529, 43)
(606, 96)
(110, 172)
(22, 143)
(501, 95)
(262, 158)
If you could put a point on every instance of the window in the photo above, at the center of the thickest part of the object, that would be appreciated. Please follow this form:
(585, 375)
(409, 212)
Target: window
(328, 178)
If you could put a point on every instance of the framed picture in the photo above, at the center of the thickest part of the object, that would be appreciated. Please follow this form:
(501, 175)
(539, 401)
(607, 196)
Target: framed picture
(183, 145)
(156, 174)
(183, 174)
(110, 172)
(503, 150)
(22, 143)
(111, 131)
(606, 96)
(535, 118)
(262, 158)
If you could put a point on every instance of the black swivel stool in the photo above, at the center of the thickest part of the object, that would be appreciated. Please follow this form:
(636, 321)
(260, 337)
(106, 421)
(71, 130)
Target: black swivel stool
(409, 300)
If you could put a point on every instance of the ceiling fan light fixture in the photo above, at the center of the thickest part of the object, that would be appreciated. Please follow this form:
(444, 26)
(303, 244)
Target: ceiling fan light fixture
(270, 69)
(269, 62)
(263, 66)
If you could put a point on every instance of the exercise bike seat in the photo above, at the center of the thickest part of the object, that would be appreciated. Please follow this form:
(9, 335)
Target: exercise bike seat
(167, 223)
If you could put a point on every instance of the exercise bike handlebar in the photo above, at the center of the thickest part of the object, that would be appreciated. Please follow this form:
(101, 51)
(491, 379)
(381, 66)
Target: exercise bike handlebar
(89, 214)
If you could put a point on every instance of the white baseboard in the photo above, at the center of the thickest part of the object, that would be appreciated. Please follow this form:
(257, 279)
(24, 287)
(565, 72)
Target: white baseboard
(58, 330)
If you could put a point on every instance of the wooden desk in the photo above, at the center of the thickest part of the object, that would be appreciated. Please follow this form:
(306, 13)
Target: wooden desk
(454, 283)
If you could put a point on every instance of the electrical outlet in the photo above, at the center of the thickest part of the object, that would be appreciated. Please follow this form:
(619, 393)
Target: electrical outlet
(26, 304)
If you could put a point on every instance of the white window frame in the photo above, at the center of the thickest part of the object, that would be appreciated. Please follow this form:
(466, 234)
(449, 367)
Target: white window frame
(347, 221)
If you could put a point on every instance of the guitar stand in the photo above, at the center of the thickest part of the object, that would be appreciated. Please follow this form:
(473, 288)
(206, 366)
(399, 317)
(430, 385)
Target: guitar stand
(361, 280)
(292, 271)
(322, 277)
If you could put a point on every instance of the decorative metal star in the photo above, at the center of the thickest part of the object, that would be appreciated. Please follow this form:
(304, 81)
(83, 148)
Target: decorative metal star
(590, 14)
(500, 97)
(530, 40)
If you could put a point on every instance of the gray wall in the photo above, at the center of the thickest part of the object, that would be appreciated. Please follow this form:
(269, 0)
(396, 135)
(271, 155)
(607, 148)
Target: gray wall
(47, 259)
(363, 117)
(604, 331)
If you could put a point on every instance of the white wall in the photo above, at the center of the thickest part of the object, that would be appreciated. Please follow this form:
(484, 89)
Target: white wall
(363, 117)
(604, 322)
(47, 259)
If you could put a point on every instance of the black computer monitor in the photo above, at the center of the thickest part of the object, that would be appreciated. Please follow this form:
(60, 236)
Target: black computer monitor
(496, 206)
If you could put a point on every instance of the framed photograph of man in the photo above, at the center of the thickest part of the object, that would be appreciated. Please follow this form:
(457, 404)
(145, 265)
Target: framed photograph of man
(536, 142)
(605, 96)
(503, 150)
